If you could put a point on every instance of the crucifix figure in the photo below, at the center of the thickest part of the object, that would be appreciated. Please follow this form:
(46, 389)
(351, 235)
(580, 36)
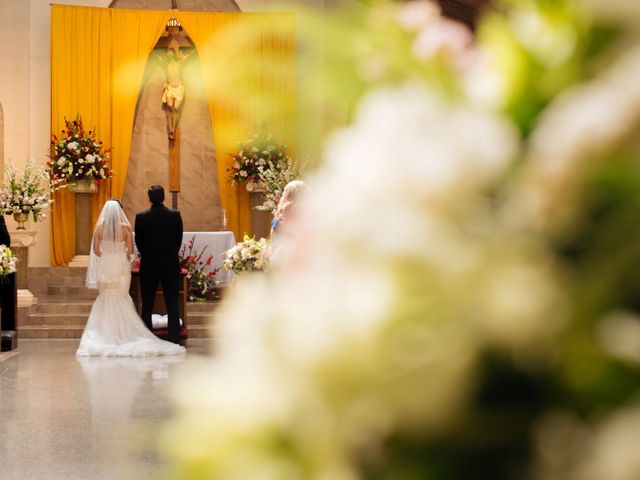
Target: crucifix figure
(173, 94)
(172, 60)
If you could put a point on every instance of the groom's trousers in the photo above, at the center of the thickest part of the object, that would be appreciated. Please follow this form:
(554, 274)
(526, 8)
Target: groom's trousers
(170, 286)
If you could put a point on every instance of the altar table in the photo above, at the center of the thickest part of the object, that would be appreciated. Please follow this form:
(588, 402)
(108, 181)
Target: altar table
(217, 243)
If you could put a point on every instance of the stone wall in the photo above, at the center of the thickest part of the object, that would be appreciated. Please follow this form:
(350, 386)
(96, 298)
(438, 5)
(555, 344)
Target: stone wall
(1, 142)
(199, 199)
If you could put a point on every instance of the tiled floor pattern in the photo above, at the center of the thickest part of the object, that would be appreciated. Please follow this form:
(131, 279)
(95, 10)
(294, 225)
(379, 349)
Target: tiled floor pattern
(68, 418)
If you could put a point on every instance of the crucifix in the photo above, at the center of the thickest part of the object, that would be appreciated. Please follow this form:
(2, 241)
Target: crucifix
(173, 96)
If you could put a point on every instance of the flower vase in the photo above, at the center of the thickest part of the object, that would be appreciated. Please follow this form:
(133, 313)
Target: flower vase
(84, 186)
(21, 218)
(254, 187)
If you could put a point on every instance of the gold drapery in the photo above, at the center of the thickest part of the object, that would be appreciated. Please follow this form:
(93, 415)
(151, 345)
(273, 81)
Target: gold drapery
(98, 58)
(97, 63)
(248, 64)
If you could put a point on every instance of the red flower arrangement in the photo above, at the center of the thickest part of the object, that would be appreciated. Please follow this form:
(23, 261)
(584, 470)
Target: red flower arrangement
(77, 156)
(201, 284)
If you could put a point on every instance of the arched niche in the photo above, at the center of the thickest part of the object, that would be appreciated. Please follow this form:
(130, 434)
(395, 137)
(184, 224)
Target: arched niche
(199, 198)
(186, 5)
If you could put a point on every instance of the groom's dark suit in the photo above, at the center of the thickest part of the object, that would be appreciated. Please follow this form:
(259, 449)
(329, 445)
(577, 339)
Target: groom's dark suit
(158, 238)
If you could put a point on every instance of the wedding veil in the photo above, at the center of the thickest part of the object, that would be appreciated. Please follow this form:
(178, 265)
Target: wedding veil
(111, 230)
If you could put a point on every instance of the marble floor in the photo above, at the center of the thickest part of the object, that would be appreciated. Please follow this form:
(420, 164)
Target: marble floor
(68, 418)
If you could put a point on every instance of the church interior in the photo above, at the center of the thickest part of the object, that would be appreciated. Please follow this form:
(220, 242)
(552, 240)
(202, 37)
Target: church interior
(393, 239)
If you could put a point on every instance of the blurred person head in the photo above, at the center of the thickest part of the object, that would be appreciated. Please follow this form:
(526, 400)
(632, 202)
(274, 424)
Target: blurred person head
(289, 196)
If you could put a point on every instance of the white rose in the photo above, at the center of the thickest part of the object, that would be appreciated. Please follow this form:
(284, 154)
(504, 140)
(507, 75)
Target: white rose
(72, 145)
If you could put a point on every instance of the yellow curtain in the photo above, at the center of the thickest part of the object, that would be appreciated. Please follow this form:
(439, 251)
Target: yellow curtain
(98, 58)
(248, 63)
(97, 63)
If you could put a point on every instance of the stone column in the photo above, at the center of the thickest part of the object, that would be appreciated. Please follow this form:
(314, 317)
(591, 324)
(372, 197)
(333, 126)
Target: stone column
(21, 240)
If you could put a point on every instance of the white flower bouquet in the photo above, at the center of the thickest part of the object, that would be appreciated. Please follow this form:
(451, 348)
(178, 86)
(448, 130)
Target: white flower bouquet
(462, 301)
(246, 256)
(7, 261)
(254, 156)
(275, 175)
(29, 194)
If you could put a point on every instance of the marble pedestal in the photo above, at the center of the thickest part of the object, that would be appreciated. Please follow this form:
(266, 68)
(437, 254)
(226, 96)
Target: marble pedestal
(21, 240)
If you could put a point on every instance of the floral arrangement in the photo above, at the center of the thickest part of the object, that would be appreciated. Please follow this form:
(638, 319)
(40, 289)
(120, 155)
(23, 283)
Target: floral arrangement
(274, 177)
(7, 261)
(201, 284)
(467, 305)
(29, 193)
(254, 156)
(247, 256)
(78, 156)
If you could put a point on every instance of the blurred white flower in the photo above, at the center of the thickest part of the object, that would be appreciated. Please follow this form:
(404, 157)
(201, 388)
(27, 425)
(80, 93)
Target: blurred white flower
(614, 455)
(446, 37)
(420, 146)
(418, 14)
(619, 333)
(483, 84)
(573, 134)
(551, 40)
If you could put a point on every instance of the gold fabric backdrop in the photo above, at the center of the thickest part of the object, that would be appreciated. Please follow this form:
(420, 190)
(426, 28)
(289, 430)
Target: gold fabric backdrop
(98, 58)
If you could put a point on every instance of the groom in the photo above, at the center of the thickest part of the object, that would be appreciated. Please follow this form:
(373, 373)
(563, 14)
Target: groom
(158, 238)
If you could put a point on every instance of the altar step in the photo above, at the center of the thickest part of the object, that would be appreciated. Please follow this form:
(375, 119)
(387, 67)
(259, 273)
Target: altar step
(60, 282)
(63, 317)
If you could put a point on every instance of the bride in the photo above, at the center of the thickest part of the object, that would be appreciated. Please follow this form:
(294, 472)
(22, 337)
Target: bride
(114, 327)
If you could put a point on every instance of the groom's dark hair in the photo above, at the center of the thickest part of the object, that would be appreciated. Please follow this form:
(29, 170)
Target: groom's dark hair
(156, 194)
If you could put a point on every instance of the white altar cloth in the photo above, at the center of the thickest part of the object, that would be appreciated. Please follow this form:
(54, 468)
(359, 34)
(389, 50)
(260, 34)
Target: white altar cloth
(217, 243)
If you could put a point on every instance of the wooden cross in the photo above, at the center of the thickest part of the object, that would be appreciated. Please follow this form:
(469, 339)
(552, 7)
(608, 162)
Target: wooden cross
(174, 168)
(173, 97)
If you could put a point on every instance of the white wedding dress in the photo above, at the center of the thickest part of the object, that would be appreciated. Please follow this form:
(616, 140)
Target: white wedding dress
(114, 328)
